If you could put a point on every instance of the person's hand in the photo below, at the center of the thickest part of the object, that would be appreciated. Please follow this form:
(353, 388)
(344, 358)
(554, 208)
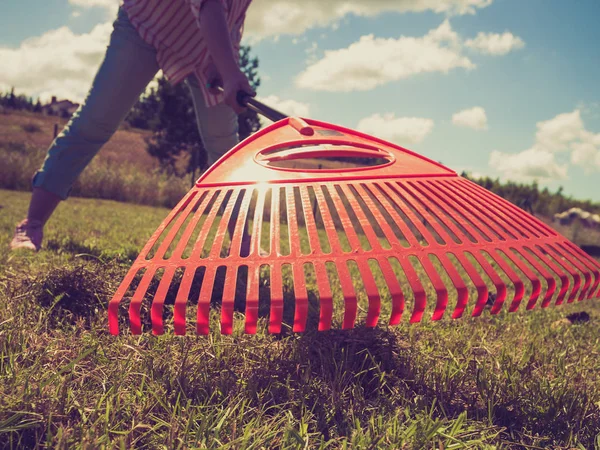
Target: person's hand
(232, 85)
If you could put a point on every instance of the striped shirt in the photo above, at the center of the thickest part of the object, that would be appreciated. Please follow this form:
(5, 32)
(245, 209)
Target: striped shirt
(172, 28)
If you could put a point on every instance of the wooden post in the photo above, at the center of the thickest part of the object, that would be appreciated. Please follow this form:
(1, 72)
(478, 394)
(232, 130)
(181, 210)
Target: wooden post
(55, 130)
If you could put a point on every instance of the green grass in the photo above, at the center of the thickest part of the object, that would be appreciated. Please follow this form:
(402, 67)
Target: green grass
(522, 380)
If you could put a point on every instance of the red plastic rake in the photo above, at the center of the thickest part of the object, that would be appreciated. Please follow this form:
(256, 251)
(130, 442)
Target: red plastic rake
(323, 217)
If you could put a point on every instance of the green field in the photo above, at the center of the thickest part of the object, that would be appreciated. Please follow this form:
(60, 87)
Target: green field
(520, 380)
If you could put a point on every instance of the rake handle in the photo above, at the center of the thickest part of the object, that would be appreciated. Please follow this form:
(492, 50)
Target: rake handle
(247, 101)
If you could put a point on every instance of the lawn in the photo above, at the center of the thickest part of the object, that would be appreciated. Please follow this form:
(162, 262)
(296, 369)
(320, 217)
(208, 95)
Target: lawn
(512, 380)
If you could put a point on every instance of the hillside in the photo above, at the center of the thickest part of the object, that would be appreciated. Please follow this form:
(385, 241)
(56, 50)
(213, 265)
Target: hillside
(36, 130)
(122, 170)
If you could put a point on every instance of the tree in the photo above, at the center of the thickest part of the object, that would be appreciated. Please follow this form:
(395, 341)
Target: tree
(168, 111)
(175, 130)
(12, 99)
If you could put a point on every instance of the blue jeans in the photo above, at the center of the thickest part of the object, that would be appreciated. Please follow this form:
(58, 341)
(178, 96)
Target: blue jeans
(128, 66)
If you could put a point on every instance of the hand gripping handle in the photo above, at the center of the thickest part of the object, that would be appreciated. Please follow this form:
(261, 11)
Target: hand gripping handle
(247, 101)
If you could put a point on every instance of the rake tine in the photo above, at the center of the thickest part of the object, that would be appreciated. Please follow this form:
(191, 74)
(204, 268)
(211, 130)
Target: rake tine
(506, 209)
(486, 219)
(166, 243)
(227, 302)
(482, 289)
(461, 288)
(587, 275)
(275, 227)
(566, 263)
(309, 219)
(325, 297)
(181, 301)
(388, 201)
(536, 285)
(196, 252)
(183, 242)
(161, 228)
(252, 300)
(362, 218)
(222, 228)
(366, 194)
(497, 213)
(513, 277)
(438, 285)
(468, 205)
(346, 222)
(301, 295)
(429, 212)
(403, 199)
(276, 313)
(113, 305)
(471, 226)
(590, 264)
(372, 293)
(257, 225)
(135, 322)
(417, 288)
(395, 291)
(236, 239)
(292, 220)
(432, 209)
(157, 307)
(430, 190)
(332, 236)
(527, 253)
(203, 307)
(496, 280)
(564, 280)
(350, 301)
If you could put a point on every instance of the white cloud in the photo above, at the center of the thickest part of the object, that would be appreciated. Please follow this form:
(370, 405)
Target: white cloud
(59, 63)
(399, 130)
(374, 61)
(472, 118)
(533, 163)
(287, 107)
(495, 44)
(563, 134)
(586, 152)
(558, 133)
(111, 6)
(275, 17)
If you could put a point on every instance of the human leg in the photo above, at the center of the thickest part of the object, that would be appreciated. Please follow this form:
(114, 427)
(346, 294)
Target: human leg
(218, 125)
(128, 66)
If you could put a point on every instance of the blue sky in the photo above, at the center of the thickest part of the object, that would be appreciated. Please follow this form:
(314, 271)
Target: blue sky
(505, 88)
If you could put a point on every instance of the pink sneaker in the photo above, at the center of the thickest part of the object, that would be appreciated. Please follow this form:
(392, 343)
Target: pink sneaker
(28, 235)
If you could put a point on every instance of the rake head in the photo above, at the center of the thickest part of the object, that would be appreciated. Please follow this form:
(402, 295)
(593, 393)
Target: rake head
(312, 224)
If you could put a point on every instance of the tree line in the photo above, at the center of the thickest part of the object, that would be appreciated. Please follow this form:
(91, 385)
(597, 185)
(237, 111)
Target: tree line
(532, 197)
(19, 102)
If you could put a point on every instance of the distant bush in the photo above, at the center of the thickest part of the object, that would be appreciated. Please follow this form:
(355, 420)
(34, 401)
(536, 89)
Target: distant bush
(542, 201)
(101, 179)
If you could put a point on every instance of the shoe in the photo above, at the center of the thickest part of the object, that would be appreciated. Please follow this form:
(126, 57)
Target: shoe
(28, 235)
